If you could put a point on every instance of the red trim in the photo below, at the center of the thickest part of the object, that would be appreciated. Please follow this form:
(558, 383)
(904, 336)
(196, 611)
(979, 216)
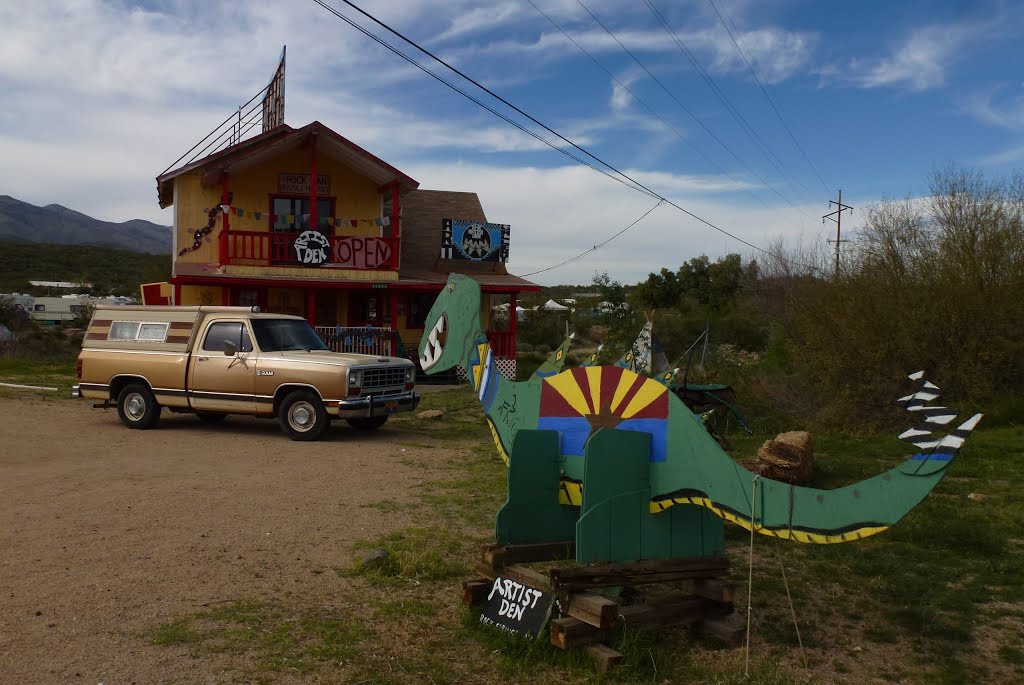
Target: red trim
(396, 223)
(342, 285)
(393, 308)
(225, 296)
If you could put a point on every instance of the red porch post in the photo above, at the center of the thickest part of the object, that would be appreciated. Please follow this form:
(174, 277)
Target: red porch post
(177, 294)
(393, 308)
(225, 200)
(313, 219)
(225, 295)
(311, 306)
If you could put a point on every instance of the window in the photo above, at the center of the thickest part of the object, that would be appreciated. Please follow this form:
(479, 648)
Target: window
(227, 331)
(135, 330)
(295, 207)
(419, 305)
(248, 297)
(77, 308)
(123, 330)
(276, 335)
(153, 332)
(40, 308)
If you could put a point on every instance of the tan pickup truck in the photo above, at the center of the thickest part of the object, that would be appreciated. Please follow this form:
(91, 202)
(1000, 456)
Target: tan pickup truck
(215, 361)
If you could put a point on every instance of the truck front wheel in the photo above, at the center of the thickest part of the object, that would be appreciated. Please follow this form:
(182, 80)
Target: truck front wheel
(303, 416)
(136, 406)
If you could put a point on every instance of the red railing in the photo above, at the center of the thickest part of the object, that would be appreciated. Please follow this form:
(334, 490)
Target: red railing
(359, 339)
(503, 344)
(279, 249)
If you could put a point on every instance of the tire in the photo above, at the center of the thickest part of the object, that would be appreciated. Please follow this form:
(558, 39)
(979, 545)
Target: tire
(303, 416)
(136, 407)
(368, 424)
(211, 417)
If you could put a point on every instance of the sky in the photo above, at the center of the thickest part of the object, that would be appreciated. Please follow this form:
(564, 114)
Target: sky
(748, 115)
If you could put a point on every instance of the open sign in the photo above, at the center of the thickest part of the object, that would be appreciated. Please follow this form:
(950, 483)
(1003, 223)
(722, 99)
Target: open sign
(356, 252)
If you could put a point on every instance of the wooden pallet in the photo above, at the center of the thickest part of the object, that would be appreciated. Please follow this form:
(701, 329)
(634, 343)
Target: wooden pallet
(702, 600)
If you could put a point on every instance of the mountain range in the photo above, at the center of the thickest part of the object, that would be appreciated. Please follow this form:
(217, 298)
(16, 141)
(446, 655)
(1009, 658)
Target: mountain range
(24, 222)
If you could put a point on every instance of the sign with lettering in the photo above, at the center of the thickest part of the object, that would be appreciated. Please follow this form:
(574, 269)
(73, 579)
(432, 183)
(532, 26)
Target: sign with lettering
(476, 241)
(517, 608)
(298, 184)
(311, 247)
(358, 252)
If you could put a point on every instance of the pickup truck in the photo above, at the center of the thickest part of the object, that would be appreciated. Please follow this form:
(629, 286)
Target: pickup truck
(215, 361)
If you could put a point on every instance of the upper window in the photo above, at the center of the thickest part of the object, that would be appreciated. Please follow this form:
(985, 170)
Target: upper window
(135, 330)
(289, 211)
(227, 331)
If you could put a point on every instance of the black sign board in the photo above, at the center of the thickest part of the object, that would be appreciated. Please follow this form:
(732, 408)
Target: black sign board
(517, 608)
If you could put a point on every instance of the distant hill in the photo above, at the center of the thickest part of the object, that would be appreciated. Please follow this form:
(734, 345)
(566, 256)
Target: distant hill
(54, 224)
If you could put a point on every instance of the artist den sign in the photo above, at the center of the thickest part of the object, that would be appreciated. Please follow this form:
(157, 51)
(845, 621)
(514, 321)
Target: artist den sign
(517, 608)
(298, 184)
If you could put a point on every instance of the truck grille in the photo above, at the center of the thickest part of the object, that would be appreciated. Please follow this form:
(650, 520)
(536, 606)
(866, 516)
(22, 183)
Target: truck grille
(383, 377)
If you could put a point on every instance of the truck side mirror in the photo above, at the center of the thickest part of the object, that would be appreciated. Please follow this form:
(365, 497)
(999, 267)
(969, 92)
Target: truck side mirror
(230, 349)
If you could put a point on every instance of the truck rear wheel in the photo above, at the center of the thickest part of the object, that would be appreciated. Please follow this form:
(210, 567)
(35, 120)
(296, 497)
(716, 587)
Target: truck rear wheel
(368, 424)
(303, 416)
(136, 406)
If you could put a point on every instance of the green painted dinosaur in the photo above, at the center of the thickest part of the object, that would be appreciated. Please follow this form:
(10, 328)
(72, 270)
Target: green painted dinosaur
(686, 465)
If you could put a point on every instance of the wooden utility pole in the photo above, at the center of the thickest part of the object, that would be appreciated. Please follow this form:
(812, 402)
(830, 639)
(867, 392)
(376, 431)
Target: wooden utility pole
(837, 217)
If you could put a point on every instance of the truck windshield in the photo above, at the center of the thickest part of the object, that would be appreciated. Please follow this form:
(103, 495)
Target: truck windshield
(277, 335)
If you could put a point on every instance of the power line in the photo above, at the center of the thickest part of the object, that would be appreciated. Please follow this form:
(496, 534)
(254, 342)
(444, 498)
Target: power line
(722, 97)
(636, 97)
(687, 109)
(628, 183)
(599, 245)
(636, 185)
(766, 94)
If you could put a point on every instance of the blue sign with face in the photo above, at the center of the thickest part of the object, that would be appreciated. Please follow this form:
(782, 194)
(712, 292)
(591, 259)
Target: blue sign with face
(476, 241)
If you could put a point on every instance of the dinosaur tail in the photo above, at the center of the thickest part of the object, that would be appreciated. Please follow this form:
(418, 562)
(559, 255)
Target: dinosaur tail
(848, 513)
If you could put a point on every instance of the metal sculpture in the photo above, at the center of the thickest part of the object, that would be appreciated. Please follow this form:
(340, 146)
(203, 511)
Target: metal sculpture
(556, 426)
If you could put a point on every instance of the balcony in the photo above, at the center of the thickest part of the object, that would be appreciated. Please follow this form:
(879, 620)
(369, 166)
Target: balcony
(262, 248)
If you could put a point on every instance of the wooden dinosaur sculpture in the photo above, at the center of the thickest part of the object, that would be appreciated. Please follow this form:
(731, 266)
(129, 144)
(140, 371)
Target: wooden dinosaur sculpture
(686, 466)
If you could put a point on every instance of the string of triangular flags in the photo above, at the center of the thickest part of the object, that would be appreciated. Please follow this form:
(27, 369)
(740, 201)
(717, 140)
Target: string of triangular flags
(337, 222)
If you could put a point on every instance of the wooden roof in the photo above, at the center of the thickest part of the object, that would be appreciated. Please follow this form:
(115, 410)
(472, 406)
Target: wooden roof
(276, 141)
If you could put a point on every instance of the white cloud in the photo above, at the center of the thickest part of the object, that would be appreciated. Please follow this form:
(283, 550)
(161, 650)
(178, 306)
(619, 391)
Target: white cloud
(558, 213)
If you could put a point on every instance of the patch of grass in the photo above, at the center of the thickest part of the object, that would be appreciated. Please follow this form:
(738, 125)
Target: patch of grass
(275, 638)
(58, 374)
(418, 554)
(1011, 654)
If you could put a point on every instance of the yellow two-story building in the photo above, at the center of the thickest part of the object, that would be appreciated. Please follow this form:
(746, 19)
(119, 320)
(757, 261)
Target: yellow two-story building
(304, 221)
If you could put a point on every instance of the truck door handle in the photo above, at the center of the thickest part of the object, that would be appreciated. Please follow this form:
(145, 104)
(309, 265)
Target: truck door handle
(201, 359)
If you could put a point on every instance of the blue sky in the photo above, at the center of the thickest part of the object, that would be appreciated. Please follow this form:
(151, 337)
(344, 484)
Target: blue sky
(99, 97)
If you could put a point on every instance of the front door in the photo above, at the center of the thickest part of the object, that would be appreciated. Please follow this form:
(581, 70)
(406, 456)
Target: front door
(224, 382)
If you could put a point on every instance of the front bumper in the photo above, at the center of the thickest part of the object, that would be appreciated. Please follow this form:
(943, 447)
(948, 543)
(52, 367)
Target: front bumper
(75, 391)
(376, 405)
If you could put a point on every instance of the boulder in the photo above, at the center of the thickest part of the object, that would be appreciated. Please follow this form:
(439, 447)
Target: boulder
(431, 414)
(788, 458)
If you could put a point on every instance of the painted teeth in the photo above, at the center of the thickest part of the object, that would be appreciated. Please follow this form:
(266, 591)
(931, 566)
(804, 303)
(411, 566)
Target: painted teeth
(434, 348)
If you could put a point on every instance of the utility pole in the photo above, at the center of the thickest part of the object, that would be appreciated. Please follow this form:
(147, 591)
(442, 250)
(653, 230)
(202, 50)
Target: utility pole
(837, 216)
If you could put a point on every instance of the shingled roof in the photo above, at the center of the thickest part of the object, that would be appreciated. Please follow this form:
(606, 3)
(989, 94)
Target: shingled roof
(423, 212)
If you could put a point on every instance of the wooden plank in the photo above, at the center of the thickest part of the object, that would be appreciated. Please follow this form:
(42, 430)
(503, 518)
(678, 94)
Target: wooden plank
(498, 555)
(604, 656)
(592, 608)
(475, 591)
(567, 632)
(521, 574)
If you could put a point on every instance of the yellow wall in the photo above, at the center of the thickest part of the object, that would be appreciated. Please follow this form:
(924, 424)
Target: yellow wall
(200, 294)
(355, 197)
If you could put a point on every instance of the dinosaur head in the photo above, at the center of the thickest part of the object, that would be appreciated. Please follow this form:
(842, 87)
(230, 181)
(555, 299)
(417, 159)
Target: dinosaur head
(452, 324)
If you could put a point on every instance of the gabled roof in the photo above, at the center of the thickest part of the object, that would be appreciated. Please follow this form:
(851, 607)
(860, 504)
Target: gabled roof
(277, 141)
(423, 212)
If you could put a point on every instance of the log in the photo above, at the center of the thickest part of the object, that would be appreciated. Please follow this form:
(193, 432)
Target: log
(520, 574)
(597, 610)
(671, 611)
(569, 632)
(710, 588)
(498, 555)
(475, 591)
(604, 656)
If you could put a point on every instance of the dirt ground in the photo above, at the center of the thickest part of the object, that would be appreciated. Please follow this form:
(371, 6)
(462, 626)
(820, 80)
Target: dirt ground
(107, 532)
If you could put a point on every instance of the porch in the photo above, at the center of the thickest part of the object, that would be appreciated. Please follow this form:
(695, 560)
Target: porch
(263, 248)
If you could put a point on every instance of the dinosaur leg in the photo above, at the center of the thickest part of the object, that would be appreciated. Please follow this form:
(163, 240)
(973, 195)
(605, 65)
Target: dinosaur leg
(532, 512)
